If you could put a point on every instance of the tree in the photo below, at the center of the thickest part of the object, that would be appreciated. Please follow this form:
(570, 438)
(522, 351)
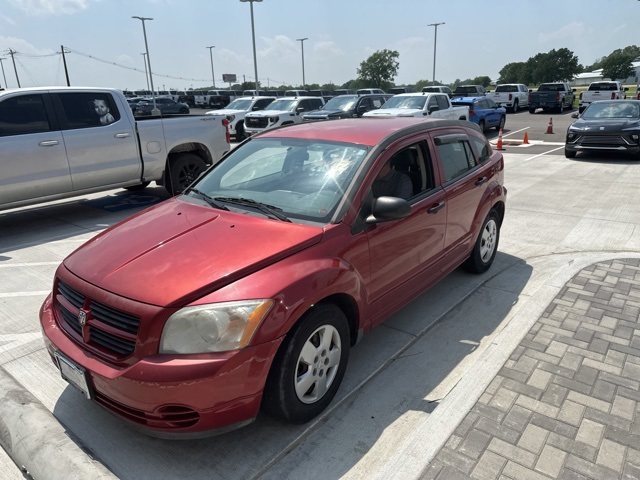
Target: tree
(555, 65)
(618, 66)
(484, 81)
(512, 73)
(379, 69)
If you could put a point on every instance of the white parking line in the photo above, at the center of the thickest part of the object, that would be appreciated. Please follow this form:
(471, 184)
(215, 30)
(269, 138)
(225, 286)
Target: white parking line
(30, 264)
(42, 293)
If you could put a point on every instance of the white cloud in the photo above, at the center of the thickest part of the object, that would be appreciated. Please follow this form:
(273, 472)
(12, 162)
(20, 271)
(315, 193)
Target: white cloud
(50, 7)
(573, 30)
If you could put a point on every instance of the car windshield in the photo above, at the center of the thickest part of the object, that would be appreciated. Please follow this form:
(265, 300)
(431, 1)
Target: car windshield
(615, 109)
(399, 101)
(240, 104)
(303, 179)
(283, 104)
(341, 103)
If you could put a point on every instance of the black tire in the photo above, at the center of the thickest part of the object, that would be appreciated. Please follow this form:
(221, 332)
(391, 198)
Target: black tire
(500, 126)
(486, 247)
(135, 188)
(482, 126)
(514, 109)
(569, 153)
(183, 170)
(184, 110)
(532, 110)
(561, 107)
(240, 134)
(298, 388)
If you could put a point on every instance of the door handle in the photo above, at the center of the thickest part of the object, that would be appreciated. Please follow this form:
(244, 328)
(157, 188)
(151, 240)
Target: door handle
(436, 208)
(122, 135)
(49, 143)
(481, 180)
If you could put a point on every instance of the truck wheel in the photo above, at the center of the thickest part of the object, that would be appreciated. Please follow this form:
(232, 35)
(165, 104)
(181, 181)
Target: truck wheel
(500, 126)
(184, 110)
(561, 107)
(484, 251)
(515, 106)
(183, 170)
(240, 135)
(482, 126)
(309, 366)
(532, 110)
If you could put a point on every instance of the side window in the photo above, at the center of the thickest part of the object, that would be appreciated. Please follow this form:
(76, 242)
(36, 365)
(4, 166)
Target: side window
(483, 149)
(22, 115)
(433, 102)
(457, 158)
(377, 102)
(407, 174)
(91, 109)
(366, 102)
(260, 104)
(443, 102)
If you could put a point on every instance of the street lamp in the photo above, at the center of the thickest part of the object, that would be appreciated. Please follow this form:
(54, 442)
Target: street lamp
(301, 40)
(146, 72)
(213, 77)
(253, 37)
(3, 75)
(155, 110)
(435, 42)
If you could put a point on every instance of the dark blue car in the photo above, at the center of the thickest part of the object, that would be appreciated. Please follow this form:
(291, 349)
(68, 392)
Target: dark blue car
(483, 111)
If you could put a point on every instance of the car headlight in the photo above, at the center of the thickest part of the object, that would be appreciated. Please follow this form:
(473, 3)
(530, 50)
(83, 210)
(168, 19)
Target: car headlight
(231, 118)
(274, 119)
(217, 327)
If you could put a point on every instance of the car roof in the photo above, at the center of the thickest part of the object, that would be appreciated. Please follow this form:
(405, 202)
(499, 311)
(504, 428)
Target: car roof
(368, 131)
(467, 99)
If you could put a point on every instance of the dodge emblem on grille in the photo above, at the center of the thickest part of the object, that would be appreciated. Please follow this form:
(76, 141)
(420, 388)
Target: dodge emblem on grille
(82, 318)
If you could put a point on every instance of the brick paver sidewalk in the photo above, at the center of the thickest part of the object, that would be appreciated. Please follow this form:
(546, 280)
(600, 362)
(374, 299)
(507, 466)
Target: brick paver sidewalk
(566, 405)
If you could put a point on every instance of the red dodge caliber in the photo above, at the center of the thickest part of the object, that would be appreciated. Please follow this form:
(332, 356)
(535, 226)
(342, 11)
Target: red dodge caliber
(249, 289)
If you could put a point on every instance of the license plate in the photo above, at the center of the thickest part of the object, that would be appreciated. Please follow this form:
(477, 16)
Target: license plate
(74, 374)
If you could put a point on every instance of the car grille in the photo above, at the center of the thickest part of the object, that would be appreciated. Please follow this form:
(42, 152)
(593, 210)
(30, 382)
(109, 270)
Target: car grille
(605, 140)
(106, 330)
(259, 122)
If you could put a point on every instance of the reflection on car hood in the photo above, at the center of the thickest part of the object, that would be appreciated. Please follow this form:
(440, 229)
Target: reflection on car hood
(326, 113)
(225, 112)
(387, 112)
(178, 251)
(605, 124)
(269, 113)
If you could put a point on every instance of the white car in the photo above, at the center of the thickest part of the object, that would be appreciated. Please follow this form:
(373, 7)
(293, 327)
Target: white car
(421, 104)
(283, 111)
(238, 109)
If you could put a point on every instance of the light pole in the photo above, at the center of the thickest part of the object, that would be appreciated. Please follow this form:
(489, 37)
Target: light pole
(435, 42)
(213, 77)
(146, 72)
(301, 40)
(3, 75)
(155, 110)
(253, 37)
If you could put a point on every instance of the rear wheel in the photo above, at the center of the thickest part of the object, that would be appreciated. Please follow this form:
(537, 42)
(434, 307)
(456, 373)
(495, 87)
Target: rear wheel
(482, 126)
(309, 366)
(515, 106)
(240, 131)
(532, 110)
(184, 110)
(484, 251)
(561, 107)
(500, 126)
(183, 170)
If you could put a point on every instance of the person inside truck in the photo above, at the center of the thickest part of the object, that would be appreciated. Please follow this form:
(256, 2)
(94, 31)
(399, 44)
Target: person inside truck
(102, 109)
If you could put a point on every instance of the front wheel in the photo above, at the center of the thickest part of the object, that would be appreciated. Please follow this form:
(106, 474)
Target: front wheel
(309, 366)
(500, 126)
(486, 247)
(515, 106)
(184, 110)
(183, 170)
(569, 153)
(532, 110)
(482, 126)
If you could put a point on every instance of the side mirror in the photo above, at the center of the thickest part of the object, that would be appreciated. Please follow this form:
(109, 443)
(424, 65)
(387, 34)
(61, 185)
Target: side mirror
(386, 209)
(433, 108)
(575, 115)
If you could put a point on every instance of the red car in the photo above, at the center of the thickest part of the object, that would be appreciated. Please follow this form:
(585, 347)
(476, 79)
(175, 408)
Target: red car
(249, 289)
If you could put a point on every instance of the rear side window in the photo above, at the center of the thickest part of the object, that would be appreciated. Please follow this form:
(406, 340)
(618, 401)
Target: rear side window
(22, 115)
(91, 109)
(456, 156)
(443, 102)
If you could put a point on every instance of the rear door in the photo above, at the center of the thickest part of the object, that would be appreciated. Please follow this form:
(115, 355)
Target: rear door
(33, 160)
(101, 149)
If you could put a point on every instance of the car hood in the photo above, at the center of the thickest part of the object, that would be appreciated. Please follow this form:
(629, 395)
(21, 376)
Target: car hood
(394, 112)
(327, 113)
(605, 125)
(269, 113)
(177, 251)
(225, 111)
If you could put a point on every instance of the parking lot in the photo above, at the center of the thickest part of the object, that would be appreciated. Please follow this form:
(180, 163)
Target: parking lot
(561, 215)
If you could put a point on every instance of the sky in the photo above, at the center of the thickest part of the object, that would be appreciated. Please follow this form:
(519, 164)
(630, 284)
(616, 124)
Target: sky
(104, 45)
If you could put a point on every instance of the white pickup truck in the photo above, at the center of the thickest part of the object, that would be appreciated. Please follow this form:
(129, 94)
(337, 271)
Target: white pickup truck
(511, 96)
(60, 142)
(436, 105)
(601, 91)
(283, 111)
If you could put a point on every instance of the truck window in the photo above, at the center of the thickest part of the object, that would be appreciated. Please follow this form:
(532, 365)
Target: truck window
(84, 110)
(22, 115)
(443, 101)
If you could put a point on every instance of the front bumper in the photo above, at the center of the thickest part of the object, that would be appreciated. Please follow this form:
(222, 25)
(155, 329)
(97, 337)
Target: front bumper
(617, 142)
(182, 396)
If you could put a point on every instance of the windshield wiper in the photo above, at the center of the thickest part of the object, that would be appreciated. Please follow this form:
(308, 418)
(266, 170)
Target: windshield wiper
(210, 200)
(268, 210)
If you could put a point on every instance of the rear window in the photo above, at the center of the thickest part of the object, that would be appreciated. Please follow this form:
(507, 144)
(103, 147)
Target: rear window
(603, 86)
(507, 88)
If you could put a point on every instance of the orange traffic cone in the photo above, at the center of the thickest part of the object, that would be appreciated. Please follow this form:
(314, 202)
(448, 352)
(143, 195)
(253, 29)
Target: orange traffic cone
(550, 126)
(499, 145)
(525, 141)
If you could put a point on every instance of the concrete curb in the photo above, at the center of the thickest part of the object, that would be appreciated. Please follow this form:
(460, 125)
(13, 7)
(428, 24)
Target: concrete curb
(37, 443)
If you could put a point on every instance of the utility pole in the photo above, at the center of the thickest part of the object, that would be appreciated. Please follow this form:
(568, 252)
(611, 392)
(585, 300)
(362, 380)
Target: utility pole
(64, 61)
(213, 76)
(301, 40)
(435, 42)
(12, 53)
(3, 75)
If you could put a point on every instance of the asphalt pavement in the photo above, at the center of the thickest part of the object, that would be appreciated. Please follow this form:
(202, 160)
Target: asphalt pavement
(528, 371)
